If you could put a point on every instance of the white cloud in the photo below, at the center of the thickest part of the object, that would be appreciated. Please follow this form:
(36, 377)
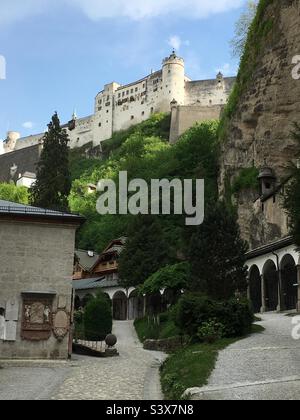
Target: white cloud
(16, 10)
(176, 42)
(28, 125)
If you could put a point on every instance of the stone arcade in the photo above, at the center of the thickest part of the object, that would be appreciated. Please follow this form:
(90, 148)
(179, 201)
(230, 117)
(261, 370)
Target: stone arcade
(37, 253)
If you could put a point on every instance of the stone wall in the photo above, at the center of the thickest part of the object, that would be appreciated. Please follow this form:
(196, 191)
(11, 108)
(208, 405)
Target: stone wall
(184, 117)
(15, 163)
(263, 120)
(35, 257)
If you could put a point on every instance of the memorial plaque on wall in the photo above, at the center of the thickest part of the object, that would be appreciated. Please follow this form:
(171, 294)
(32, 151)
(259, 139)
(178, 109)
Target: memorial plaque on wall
(37, 316)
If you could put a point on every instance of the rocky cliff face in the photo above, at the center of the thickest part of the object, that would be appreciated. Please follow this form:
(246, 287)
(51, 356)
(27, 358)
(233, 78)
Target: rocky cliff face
(266, 107)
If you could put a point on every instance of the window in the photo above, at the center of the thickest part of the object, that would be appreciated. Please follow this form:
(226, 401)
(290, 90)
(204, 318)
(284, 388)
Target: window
(143, 113)
(99, 108)
(119, 95)
(152, 110)
(136, 89)
(100, 124)
(127, 92)
(123, 94)
(131, 91)
(107, 111)
(107, 98)
(132, 117)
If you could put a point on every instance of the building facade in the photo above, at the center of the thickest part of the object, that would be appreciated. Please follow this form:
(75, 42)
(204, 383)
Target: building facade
(118, 107)
(36, 254)
(273, 260)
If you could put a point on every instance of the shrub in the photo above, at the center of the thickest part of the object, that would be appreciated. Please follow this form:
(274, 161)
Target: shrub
(193, 312)
(97, 318)
(211, 331)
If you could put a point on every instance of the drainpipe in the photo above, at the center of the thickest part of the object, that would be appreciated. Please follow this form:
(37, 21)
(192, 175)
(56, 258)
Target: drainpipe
(280, 300)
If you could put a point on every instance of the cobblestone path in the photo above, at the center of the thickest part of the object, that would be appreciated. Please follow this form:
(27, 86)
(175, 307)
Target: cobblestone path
(132, 376)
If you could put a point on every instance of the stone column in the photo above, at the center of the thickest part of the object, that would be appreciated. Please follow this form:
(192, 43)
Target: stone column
(263, 295)
(281, 304)
(298, 281)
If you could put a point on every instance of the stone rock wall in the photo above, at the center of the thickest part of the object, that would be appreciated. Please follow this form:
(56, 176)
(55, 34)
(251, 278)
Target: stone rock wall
(261, 126)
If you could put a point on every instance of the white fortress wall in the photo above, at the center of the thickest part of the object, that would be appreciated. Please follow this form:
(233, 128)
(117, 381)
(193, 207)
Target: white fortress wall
(118, 107)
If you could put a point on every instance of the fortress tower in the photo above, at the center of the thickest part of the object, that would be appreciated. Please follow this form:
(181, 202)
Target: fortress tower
(173, 82)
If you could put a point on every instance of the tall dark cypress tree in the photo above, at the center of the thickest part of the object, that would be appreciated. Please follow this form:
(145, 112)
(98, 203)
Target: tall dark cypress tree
(217, 255)
(53, 182)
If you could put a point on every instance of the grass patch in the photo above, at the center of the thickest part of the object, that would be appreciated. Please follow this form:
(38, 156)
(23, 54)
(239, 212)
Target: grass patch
(257, 329)
(148, 330)
(190, 367)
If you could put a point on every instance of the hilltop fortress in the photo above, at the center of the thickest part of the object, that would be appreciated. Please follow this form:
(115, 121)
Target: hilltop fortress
(118, 107)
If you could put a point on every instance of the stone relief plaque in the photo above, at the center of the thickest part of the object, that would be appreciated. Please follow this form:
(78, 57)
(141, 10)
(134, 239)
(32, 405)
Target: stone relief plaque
(36, 317)
(61, 324)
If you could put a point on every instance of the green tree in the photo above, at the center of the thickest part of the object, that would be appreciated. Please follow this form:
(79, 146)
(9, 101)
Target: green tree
(11, 192)
(174, 277)
(53, 183)
(292, 194)
(217, 255)
(242, 27)
(146, 251)
(97, 318)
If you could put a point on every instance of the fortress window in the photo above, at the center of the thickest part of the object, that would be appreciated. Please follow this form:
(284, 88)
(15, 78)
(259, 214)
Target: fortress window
(132, 117)
(131, 91)
(127, 92)
(123, 94)
(107, 98)
(143, 113)
(136, 89)
(144, 85)
(119, 95)
(152, 110)
(100, 124)
(99, 108)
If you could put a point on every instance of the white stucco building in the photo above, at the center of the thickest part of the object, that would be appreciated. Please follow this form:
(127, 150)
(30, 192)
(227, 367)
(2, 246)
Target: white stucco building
(118, 107)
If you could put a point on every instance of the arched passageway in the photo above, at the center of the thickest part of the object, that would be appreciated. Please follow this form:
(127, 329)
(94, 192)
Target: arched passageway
(289, 282)
(255, 289)
(135, 306)
(154, 304)
(120, 306)
(77, 303)
(86, 300)
(270, 274)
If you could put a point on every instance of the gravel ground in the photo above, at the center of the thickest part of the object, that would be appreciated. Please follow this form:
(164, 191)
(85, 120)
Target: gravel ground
(263, 366)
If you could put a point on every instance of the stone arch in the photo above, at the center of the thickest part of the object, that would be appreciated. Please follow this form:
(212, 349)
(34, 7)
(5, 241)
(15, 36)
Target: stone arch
(120, 306)
(270, 275)
(255, 291)
(135, 306)
(289, 282)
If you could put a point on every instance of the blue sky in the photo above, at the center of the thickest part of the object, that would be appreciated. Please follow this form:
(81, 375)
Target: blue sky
(60, 53)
